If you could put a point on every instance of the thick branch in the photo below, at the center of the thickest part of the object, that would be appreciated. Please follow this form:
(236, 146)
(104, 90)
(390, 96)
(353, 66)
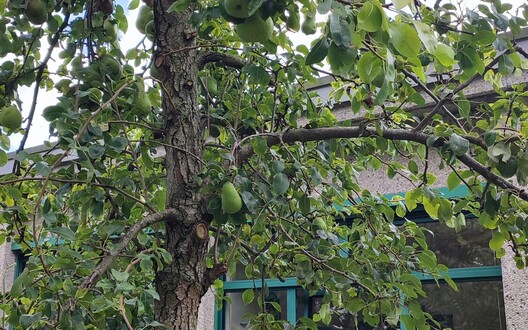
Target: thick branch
(106, 262)
(222, 59)
(325, 133)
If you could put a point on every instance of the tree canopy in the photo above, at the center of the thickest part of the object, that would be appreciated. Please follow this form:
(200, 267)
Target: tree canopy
(205, 147)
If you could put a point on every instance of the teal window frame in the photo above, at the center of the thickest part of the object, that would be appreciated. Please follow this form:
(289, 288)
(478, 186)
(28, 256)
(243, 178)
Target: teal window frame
(467, 274)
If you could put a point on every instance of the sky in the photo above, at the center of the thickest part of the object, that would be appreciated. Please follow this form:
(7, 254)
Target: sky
(40, 131)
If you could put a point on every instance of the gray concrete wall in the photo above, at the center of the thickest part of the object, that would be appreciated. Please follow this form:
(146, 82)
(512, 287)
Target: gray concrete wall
(515, 285)
(7, 267)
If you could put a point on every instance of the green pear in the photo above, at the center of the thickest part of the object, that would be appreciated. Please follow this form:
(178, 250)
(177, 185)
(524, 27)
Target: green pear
(231, 201)
(110, 30)
(109, 66)
(212, 86)
(10, 117)
(255, 29)
(227, 17)
(145, 15)
(142, 105)
(150, 30)
(308, 25)
(237, 8)
(36, 12)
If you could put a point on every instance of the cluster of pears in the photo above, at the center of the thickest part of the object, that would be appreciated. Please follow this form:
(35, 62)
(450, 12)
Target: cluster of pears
(10, 117)
(145, 22)
(250, 25)
(36, 12)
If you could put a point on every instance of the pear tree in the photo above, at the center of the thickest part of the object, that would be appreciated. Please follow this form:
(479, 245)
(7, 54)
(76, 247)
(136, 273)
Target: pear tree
(203, 147)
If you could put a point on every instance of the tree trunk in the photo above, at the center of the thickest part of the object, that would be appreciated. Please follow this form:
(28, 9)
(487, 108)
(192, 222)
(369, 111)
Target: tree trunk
(183, 282)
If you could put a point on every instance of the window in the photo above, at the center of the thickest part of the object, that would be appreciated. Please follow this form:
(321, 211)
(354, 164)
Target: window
(478, 304)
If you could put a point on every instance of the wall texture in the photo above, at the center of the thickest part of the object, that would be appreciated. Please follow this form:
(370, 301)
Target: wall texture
(7, 267)
(515, 285)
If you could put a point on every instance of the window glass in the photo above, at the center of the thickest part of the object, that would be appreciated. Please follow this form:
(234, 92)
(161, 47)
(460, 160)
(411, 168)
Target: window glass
(341, 320)
(468, 248)
(477, 305)
(240, 273)
(235, 318)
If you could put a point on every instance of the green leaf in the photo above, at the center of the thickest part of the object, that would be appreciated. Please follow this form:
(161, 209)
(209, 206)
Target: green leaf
(453, 181)
(19, 283)
(119, 276)
(340, 30)
(324, 6)
(64, 232)
(304, 204)
(370, 17)
(369, 66)
(522, 169)
(508, 168)
(506, 66)
(431, 208)
(260, 146)
(258, 75)
(340, 58)
(444, 54)
(407, 321)
(247, 296)
(179, 5)
(484, 37)
(499, 152)
(445, 210)
(487, 221)
(318, 52)
(470, 62)
(427, 259)
(451, 283)
(411, 199)
(497, 240)
(458, 145)
(254, 5)
(427, 36)
(3, 158)
(133, 4)
(124, 287)
(118, 144)
(95, 151)
(281, 183)
(152, 293)
(250, 201)
(405, 39)
(400, 4)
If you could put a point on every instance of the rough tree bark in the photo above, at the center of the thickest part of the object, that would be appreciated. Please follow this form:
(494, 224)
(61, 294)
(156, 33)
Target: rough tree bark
(182, 283)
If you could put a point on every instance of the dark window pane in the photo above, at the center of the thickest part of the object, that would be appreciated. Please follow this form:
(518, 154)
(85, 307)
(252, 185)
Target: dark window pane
(234, 311)
(476, 306)
(341, 320)
(468, 248)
